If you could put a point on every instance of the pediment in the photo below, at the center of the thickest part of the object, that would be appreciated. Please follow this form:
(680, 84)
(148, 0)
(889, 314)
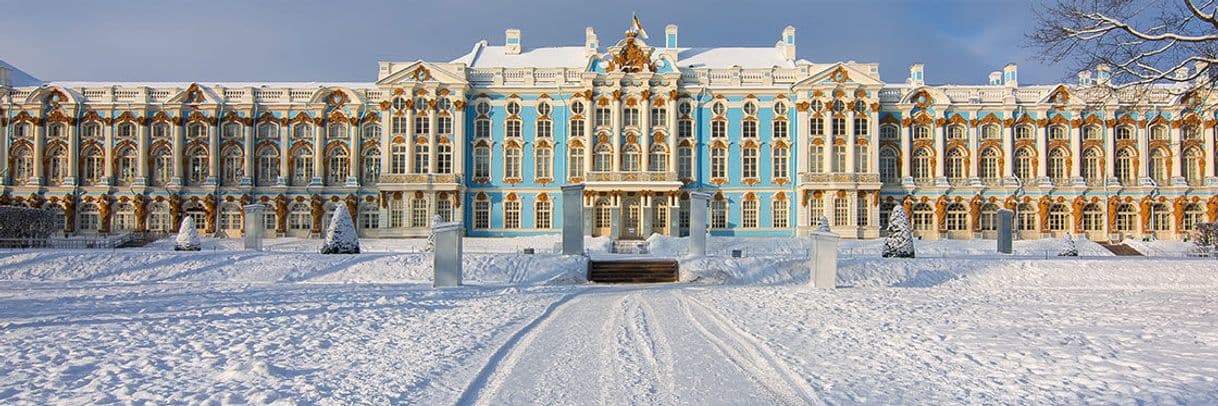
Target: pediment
(836, 74)
(422, 72)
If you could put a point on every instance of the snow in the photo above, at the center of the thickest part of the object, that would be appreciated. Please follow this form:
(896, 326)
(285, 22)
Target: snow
(340, 235)
(545, 57)
(19, 77)
(726, 57)
(899, 243)
(188, 236)
(958, 324)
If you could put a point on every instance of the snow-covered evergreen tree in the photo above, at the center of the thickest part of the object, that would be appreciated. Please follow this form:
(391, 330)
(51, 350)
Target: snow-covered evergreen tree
(1069, 249)
(899, 243)
(188, 236)
(341, 237)
(822, 225)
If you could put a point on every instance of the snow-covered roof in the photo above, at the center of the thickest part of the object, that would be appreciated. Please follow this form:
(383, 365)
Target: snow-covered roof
(745, 57)
(484, 56)
(297, 85)
(19, 77)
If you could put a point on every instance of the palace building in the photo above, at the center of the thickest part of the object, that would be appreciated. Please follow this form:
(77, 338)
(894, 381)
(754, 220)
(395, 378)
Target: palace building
(488, 138)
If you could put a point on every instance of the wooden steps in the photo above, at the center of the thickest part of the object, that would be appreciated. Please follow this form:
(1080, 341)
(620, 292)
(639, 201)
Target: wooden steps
(1122, 250)
(633, 271)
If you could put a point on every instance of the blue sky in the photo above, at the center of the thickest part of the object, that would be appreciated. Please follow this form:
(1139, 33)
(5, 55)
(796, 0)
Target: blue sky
(280, 40)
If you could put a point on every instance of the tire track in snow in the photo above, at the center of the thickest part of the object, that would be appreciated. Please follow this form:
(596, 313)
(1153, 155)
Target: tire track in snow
(491, 377)
(662, 356)
(747, 353)
(635, 341)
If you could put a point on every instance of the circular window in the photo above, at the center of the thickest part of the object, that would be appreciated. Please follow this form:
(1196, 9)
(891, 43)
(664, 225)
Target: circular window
(817, 105)
(483, 108)
(444, 104)
(399, 104)
(750, 108)
(780, 108)
(577, 108)
(839, 106)
(718, 109)
(513, 108)
(860, 106)
(543, 108)
(685, 108)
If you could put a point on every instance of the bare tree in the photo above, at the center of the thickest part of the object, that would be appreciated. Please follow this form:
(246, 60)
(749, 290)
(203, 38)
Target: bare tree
(1143, 42)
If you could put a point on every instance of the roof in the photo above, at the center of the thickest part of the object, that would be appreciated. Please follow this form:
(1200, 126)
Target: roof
(296, 85)
(745, 57)
(486, 56)
(19, 77)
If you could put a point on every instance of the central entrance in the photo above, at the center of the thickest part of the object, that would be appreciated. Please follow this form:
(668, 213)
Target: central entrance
(632, 227)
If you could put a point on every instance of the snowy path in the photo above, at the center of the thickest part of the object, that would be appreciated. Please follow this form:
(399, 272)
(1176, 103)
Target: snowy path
(636, 346)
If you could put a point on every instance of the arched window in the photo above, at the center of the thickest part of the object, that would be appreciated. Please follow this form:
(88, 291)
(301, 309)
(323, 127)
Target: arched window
(957, 217)
(1056, 165)
(748, 162)
(630, 158)
(1057, 132)
(419, 209)
(512, 162)
(1193, 161)
(718, 218)
(991, 132)
(542, 214)
(862, 160)
(989, 166)
(162, 165)
(1023, 132)
(1126, 217)
(338, 164)
(989, 217)
(954, 166)
(923, 217)
(1059, 216)
(92, 165)
(955, 132)
(268, 165)
(230, 218)
(921, 165)
(1124, 170)
(444, 158)
(1023, 165)
(748, 213)
(511, 213)
(658, 161)
(781, 213)
(1160, 217)
(56, 165)
(1124, 133)
(890, 172)
(1092, 169)
(888, 132)
(575, 162)
(1158, 166)
(685, 162)
(87, 217)
(602, 161)
(302, 130)
(1193, 214)
(839, 158)
(196, 167)
(921, 132)
(816, 158)
(159, 218)
(300, 217)
(125, 165)
(371, 165)
(482, 162)
(1026, 217)
(1158, 133)
(267, 131)
(233, 165)
(422, 158)
(718, 161)
(21, 165)
(543, 163)
(780, 165)
(123, 219)
(482, 213)
(369, 217)
(302, 165)
(1093, 218)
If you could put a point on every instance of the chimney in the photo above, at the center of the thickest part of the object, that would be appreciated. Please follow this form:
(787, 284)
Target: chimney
(1084, 78)
(591, 45)
(1102, 74)
(995, 78)
(511, 43)
(788, 42)
(915, 75)
(670, 36)
(1010, 75)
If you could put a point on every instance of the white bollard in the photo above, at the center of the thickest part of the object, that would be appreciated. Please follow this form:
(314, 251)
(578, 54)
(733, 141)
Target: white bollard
(824, 261)
(252, 237)
(447, 255)
(698, 202)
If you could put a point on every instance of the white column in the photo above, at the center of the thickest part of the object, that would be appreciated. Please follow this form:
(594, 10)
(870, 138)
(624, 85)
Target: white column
(39, 146)
(141, 164)
(671, 114)
(319, 153)
(213, 153)
(1076, 152)
(386, 141)
(107, 154)
(1142, 134)
(906, 152)
(801, 141)
(850, 143)
(354, 134)
(1177, 175)
(458, 136)
(617, 134)
(645, 133)
(73, 155)
(1008, 152)
(409, 141)
(940, 149)
(433, 142)
(591, 143)
(285, 159)
(1209, 153)
(1042, 153)
(247, 166)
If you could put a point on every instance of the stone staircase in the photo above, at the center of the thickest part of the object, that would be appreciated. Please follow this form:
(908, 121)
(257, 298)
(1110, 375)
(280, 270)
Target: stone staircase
(633, 271)
(1121, 250)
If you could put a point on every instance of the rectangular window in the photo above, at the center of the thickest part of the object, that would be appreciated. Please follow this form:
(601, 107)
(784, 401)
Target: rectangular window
(780, 163)
(482, 215)
(511, 214)
(577, 127)
(841, 212)
(685, 129)
(780, 129)
(748, 214)
(422, 125)
(603, 116)
(718, 129)
(418, 213)
(719, 163)
(369, 219)
(862, 217)
(444, 125)
(444, 209)
(839, 126)
(749, 163)
(718, 214)
(482, 128)
(816, 126)
(781, 213)
(748, 129)
(543, 217)
(397, 208)
(545, 128)
(685, 163)
(630, 117)
(397, 125)
(512, 128)
(659, 116)
(860, 127)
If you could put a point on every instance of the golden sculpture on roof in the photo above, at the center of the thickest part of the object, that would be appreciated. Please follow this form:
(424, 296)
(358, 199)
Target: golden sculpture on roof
(631, 58)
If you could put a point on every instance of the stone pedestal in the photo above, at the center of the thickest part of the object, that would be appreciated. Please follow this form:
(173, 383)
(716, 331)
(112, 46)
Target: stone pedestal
(573, 219)
(698, 204)
(824, 259)
(446, 257)
(252, 235)
(1006, 230)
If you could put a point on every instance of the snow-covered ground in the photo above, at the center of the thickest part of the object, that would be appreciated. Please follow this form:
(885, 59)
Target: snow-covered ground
(959, 324)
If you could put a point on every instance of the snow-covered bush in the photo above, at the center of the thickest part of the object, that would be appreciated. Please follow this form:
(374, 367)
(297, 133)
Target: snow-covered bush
(1206, 236)
(1069, 249)
(26, 222)
(188, 236)
(822, 225)
(899, 243)
(341, 237)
